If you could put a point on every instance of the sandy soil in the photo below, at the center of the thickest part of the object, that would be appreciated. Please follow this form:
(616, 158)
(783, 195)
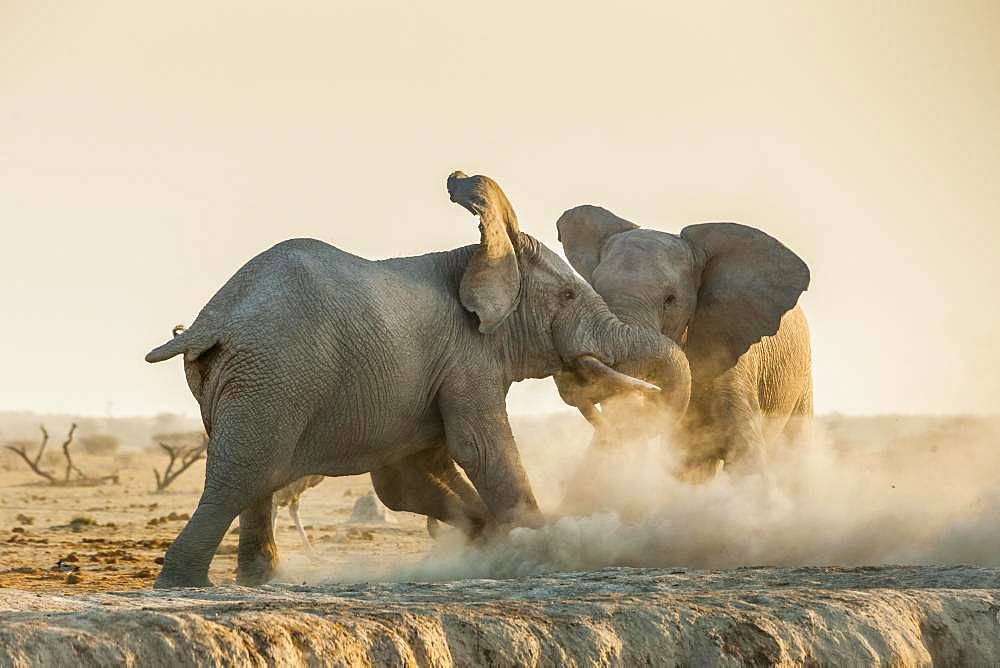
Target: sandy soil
(133, 526)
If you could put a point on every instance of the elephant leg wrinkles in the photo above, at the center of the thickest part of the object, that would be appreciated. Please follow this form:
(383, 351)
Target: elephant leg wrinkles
(481, 442)
(189, 556)
(725, 424)
(257, 558)
(428, 483)
(241, 474)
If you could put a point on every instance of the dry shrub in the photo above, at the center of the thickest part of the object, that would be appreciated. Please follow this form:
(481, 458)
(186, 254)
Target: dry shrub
(176, 439)
(100, 444)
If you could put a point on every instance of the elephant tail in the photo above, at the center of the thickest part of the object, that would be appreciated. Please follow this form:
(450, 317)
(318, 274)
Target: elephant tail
(192, 342)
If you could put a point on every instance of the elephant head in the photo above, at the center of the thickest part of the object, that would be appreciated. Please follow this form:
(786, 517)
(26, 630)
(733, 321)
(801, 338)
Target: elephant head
(716, 288)
(522, 292)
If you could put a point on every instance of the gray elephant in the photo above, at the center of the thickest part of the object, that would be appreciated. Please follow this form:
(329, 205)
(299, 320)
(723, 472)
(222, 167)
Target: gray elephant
(728, 294)
(313, 361)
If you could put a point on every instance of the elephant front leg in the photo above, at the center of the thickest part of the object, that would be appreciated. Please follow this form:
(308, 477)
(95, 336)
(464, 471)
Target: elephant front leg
(481, 442)
(430, 484)
(726, 433)
(743, 450)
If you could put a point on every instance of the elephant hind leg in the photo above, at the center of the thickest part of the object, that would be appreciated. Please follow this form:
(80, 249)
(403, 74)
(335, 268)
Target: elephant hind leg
(189, 556)
(429, 483)
(241, 473)
(257, 558)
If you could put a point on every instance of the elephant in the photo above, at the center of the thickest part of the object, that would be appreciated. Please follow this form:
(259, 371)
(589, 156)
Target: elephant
(313, 361)
(728, 294)
(291, 495)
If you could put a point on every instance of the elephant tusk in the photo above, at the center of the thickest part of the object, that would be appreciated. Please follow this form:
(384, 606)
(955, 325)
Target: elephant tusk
(594, 369)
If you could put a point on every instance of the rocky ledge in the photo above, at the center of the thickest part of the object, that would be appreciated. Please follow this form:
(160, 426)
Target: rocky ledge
(615, 616)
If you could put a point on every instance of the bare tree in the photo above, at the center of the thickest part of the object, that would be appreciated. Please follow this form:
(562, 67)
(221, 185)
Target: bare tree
(69, 460)
(185, 455)
(21, 449)
(33, 462)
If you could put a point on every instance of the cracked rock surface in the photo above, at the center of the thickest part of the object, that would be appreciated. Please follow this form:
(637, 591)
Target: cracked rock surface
(615, 616)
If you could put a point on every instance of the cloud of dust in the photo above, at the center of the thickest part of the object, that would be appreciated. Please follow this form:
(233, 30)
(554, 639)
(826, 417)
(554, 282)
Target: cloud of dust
(858, 491)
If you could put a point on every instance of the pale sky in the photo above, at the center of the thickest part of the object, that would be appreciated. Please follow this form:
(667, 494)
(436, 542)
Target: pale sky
(148, 149)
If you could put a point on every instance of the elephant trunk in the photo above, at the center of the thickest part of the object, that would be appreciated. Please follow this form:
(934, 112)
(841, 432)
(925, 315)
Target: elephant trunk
(644, 361)
(656, 358)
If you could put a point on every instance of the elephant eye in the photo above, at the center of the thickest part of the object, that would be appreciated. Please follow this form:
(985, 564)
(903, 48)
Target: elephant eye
(568, 294)
(669, 300)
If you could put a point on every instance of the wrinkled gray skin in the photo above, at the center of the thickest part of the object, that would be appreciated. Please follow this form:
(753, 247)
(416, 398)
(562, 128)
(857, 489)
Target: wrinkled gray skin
(312, 361)
(728, 294)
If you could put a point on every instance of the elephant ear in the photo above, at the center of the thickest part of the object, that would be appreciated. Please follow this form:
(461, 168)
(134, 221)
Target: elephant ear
(491, 284)
(749, 281)
(583, 230)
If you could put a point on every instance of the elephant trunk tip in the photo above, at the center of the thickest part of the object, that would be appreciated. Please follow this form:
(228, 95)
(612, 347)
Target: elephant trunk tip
(677, 381)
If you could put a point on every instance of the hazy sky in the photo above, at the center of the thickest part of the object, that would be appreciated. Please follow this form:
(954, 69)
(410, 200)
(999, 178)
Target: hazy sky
(148, 149)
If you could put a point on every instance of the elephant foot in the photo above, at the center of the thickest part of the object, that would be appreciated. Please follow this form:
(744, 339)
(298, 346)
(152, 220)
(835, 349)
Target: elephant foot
(259, 572)
(180, 581)
(257, 555)
(257, 563)
(255, 577)
(472, 529)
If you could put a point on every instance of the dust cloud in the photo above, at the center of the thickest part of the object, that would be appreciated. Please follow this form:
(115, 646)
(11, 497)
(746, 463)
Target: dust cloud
(857, 491)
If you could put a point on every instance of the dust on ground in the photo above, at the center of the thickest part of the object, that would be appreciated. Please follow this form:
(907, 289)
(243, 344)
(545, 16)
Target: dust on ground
(880, 490)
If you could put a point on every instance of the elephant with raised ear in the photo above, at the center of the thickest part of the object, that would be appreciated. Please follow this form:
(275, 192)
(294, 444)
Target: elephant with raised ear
(313, 361)
(728, 294)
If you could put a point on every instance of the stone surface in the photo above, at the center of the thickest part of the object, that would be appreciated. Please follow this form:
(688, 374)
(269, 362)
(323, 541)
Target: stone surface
(615, 616)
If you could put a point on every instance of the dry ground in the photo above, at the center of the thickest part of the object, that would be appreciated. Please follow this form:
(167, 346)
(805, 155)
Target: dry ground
(873, 491)
(133, 526)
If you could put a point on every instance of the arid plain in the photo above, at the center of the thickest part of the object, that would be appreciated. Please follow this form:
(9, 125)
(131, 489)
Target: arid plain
(799, 570)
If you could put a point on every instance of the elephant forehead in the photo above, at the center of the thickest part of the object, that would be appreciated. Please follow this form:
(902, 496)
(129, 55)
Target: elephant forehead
(647, 253)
